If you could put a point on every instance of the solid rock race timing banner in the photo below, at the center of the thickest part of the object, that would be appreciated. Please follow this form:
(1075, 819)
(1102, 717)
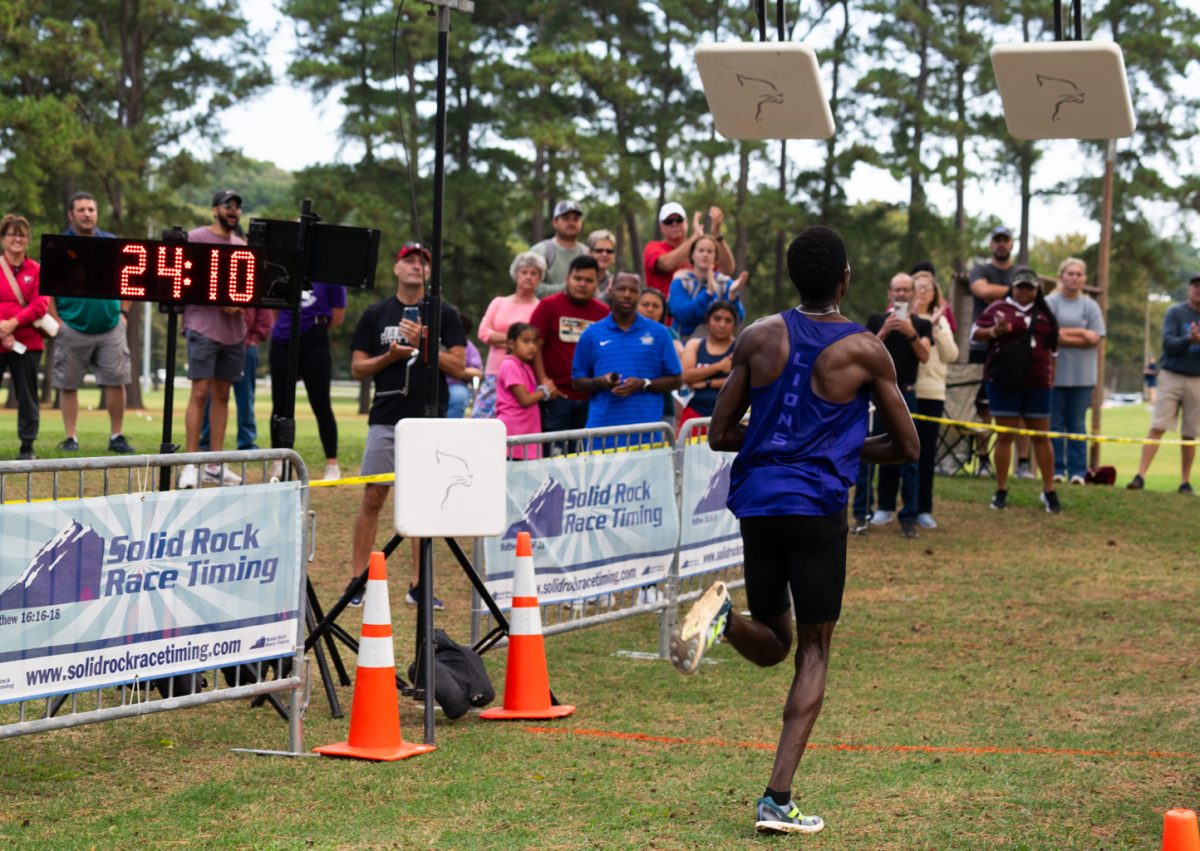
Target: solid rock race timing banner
(600, 524)
(709, 536)
(123, 588)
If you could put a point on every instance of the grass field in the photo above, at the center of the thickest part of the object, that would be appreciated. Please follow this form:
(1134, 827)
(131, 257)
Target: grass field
(1010, 680)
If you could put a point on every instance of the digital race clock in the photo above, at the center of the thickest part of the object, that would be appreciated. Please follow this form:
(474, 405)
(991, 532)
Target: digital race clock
(164, 272)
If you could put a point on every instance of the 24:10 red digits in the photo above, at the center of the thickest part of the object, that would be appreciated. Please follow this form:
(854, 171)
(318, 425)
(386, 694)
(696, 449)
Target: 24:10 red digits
(172, 263)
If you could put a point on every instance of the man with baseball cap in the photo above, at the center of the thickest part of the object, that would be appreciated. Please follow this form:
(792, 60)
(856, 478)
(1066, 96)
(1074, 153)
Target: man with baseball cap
(216, 349)
(388, 333)
(1178, 386)
(662, 258)
(560, 249)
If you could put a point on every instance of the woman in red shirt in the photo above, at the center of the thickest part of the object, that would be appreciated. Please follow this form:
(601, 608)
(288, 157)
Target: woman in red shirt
(1019, 376)
(20, 343)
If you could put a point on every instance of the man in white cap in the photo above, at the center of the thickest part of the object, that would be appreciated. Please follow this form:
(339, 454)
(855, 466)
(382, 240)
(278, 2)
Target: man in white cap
(559, 250)
(661, 258)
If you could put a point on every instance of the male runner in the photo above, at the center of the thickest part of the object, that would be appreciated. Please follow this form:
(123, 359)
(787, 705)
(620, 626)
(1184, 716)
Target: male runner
(806, 375)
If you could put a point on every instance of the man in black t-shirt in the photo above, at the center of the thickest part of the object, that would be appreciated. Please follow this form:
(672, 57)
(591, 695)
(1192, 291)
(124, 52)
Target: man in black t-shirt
(908, 340)
(989, 282)
(380, 349)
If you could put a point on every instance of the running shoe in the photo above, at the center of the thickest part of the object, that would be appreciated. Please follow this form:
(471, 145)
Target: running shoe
(861, 526)
(1059, 478)
(908, 529)
(771, 818)
(1050, 500)
(1078, 480)
(1024, 471)
(882, 518)
(701, 628)
(26, 451)
(69, 445)
(411, 598)
(1186, 489)
(925, 520)
(984, 469)
(332, 472)
(1137, 484)
(357, 599)
(188, 477)
(219, 473)
(1000, 500)
(117, 443)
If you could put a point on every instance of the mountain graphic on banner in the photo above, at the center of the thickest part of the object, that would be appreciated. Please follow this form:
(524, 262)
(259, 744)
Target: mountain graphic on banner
(543, 513)
(65, 570)
(716, 491)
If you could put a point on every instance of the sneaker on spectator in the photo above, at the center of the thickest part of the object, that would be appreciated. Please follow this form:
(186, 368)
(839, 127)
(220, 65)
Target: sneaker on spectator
(1000, 500)
(769, 817)
(1186, 488)
(69, 445)
(1137, 484)
(219, 473)
(1078, 480)
(276, 471)
(861, 526)
(1059, 477)
(411, 598)
(189, 477)
(925, 520)
(1050, 500)
(1024, 471)
(118, 443)
(908, 529)
(701, 628)
(984, 468)
(25, 453)
(357, 599)
(332, 472)
(648, 594)
(882, 518)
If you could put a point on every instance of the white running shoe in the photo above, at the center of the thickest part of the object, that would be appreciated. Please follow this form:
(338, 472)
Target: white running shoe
(188, 477)
(332, 471)
(218, 473)
(882, 518)
(276, 471)
(925, 520)
(701, 628)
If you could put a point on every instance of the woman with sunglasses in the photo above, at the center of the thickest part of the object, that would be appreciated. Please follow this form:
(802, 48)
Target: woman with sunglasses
(602, 244)
(20, 343)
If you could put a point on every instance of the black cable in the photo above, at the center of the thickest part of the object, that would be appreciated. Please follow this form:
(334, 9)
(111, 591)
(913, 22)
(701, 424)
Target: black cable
(412, 183)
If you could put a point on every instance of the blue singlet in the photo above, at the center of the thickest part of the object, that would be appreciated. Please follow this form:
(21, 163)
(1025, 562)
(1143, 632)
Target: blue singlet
(800, 454)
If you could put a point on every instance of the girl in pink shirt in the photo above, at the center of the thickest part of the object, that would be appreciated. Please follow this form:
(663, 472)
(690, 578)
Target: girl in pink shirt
(517, 391)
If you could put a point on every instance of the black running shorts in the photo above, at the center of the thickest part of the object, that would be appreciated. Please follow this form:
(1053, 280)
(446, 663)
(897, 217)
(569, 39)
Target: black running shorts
(806, 553)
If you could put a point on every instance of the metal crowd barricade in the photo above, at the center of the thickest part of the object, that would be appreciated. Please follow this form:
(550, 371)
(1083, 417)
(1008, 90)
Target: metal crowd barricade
(65, 479)
(662, 597)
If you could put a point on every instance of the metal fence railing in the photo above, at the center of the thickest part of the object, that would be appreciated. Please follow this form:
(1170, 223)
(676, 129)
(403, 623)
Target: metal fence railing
(661, 597)
(65, 480)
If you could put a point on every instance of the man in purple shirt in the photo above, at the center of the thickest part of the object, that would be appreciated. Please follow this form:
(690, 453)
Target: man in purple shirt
(216, 350)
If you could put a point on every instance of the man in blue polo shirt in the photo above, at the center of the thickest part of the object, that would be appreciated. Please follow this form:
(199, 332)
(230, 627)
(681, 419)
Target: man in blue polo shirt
(625, 363)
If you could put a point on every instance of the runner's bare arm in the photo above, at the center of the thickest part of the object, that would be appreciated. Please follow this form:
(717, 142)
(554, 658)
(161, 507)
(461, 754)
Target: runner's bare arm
(758, 343)
(899, 443)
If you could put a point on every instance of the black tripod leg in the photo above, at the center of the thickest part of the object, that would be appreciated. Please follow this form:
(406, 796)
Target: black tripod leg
(335, 705)
(314, 608)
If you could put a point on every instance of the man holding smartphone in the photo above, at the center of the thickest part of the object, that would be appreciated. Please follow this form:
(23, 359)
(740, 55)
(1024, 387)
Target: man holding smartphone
(908, 340)
(387, 336)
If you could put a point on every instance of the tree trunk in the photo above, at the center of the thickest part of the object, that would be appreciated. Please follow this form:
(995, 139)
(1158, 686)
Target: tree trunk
(780, 235)
(741, 247)
(133, 332)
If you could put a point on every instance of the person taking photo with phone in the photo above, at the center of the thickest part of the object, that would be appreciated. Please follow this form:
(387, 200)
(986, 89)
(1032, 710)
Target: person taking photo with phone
(388, 335)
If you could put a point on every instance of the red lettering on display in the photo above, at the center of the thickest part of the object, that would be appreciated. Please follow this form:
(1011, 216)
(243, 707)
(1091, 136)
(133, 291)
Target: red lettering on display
(133, 270)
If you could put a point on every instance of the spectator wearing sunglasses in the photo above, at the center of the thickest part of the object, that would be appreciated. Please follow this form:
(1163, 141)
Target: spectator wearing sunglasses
(602, 244)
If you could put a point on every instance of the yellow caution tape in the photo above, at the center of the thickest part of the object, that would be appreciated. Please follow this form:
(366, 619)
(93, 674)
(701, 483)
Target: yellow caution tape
(1090, 438)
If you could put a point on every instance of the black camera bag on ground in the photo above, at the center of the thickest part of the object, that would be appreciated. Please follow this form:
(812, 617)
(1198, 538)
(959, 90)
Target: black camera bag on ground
(460, 679)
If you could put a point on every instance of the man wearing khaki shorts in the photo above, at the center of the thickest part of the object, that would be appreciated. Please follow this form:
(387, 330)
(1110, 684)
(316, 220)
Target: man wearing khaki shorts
(91, 338)
(1178, 386)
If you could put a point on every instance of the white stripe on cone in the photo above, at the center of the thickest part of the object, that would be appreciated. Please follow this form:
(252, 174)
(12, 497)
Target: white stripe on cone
(375, 604)
(524, 584)
(525, 620)
(376, 653)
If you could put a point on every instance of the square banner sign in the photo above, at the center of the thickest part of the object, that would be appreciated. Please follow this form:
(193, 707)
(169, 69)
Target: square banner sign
(450, 478)
(1064, 90)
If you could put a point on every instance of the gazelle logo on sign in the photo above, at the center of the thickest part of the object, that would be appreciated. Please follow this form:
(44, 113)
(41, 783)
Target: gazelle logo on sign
(450, 478)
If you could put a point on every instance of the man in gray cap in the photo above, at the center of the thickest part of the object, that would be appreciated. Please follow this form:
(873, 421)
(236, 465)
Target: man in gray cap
(560, 249)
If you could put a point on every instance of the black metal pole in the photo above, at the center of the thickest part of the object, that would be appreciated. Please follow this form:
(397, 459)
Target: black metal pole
(1077, 10)
(760, 10)
(780, 20)
(167, 445)
(1058, 20)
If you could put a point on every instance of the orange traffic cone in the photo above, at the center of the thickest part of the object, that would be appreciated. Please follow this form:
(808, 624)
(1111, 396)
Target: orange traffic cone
(1180, 832)
(375, 715)
(526, 682)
